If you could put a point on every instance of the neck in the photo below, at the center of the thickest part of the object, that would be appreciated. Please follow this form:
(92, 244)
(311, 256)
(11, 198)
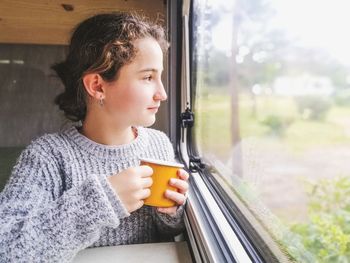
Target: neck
(103, 133)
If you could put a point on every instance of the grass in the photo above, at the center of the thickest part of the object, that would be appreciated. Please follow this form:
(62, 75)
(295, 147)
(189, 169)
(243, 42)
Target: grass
(272, 118)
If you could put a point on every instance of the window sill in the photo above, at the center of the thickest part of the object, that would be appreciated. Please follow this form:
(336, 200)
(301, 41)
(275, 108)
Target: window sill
(172, 252)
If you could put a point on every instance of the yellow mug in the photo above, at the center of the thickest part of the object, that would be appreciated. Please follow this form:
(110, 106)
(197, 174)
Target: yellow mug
(163, 171)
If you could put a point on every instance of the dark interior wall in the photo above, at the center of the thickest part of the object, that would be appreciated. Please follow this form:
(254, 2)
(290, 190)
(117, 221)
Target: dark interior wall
(27, 91)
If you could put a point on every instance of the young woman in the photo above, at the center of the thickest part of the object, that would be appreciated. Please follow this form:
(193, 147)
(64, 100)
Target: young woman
(84, 186)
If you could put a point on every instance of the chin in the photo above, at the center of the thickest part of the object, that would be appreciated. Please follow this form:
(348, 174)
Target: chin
(149, 122)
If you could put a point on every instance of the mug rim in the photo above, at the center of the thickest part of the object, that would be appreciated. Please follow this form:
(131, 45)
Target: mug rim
(162, 162)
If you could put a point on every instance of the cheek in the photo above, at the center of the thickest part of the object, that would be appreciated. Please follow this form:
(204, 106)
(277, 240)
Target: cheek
(129, 97)
(123, 105)
(131, 100)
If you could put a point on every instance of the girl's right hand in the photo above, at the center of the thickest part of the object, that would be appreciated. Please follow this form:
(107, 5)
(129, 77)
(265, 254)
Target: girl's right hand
(132, 186)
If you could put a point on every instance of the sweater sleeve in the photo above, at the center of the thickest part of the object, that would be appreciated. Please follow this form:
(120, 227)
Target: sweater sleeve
(36, 227)
(170, 225)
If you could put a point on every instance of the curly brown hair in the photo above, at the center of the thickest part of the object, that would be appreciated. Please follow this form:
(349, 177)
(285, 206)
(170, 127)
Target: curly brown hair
(101, 44)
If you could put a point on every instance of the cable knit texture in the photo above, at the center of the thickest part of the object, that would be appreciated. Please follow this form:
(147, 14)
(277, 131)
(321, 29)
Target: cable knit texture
(58, 200)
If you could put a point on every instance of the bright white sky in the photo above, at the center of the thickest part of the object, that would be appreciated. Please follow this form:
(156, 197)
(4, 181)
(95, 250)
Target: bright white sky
(317, 23)
(320, 23)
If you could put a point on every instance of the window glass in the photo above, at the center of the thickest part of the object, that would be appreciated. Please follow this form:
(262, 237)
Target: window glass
(272, 105)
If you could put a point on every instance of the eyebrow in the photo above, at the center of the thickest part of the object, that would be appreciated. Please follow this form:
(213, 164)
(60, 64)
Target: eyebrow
(148, 69)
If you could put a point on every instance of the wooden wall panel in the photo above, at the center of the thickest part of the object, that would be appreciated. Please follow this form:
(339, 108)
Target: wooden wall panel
(51, 21)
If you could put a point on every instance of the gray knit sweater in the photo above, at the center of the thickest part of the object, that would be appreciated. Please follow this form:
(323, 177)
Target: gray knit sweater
(58, 200)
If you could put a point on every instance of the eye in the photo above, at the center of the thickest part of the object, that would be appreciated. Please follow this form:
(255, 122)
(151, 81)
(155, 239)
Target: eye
(148, 78)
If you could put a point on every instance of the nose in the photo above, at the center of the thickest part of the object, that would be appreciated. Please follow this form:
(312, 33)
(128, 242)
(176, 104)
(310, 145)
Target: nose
(160, 94)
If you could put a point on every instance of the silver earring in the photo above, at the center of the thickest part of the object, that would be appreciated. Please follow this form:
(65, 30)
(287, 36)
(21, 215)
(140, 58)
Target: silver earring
(101, 102)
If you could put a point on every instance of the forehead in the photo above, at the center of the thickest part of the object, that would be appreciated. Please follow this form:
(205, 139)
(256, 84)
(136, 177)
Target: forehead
(149, 54)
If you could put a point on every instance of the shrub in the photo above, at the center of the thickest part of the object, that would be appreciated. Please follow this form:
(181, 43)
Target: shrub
(327, 233)
(277, 125)
(342, 97)
(313, 107)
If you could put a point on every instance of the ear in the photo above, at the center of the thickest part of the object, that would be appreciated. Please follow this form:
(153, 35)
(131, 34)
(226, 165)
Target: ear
(93, 84)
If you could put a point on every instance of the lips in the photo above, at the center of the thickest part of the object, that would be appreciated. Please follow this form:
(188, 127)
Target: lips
(153, 108)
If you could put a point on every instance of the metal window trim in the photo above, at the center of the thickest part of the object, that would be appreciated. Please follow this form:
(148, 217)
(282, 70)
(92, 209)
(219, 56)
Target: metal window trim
(231, 247)
(211, 236)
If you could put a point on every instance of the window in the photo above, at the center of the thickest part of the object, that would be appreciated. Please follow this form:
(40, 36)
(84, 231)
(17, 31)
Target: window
(271, 88)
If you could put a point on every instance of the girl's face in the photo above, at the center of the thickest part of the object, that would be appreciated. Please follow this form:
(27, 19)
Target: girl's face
(134, 98)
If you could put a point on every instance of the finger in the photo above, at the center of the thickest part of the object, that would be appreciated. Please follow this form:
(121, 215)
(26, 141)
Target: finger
(182, 174)
(143, 194)
(181, 185)
(175, 196)
(145, 170)
(147, 182)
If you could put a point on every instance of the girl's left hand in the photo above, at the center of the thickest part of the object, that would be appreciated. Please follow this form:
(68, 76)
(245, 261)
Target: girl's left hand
(180, 196)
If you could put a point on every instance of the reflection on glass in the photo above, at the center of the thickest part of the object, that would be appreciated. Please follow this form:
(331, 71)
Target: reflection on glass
(272, 106)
